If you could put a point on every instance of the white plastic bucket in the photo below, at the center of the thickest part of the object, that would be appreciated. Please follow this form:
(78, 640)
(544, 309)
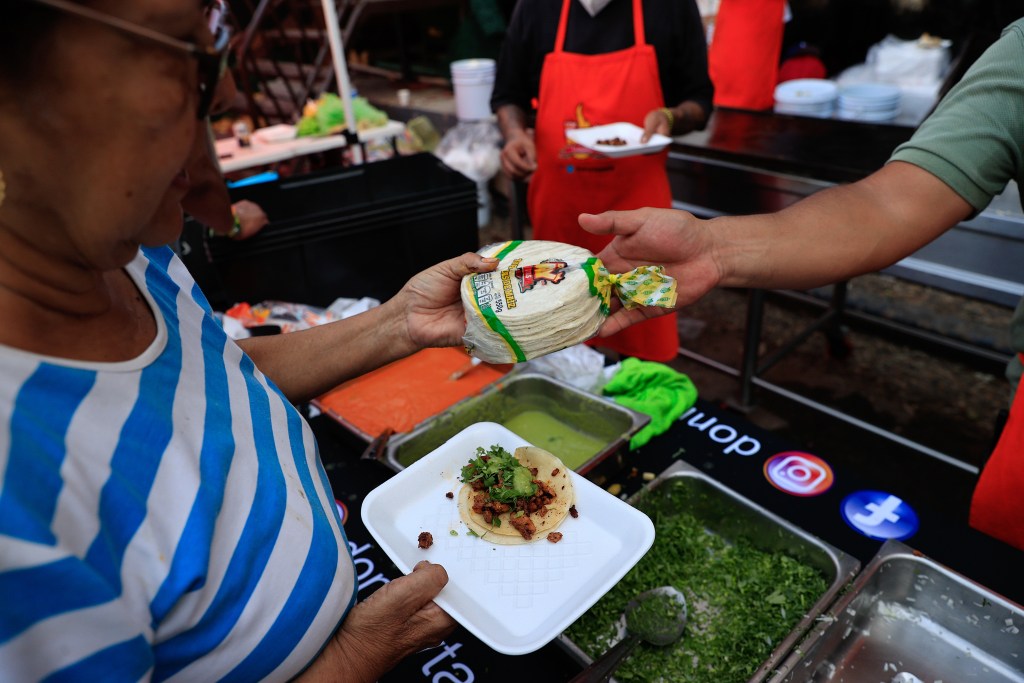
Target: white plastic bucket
(473, 82)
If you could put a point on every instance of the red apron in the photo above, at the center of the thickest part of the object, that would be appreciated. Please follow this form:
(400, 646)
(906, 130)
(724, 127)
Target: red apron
(743, 58)
(579, 90)
(995, 507)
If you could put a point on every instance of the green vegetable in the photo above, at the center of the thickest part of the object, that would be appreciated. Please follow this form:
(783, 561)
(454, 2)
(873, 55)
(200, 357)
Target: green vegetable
(308, 127)
(453, 532)
(327, 116)
(742, 600)
(504, 477)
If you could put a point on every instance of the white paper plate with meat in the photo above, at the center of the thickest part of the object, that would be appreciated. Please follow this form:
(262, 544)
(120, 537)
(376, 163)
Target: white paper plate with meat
(617, 140)
(514, 598)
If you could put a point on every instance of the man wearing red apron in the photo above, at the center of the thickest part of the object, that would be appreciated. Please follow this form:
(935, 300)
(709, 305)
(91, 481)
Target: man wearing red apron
(743, 58)
(581, 90)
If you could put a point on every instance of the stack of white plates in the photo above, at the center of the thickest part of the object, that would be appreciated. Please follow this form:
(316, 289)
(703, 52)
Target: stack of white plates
(806, 97)
(876, 102)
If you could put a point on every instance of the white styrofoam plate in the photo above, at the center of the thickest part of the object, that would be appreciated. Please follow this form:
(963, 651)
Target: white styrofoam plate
(872, 116)
(515, 598)
(281, 132)
(806, 91)
(870, 93)
(628, 132)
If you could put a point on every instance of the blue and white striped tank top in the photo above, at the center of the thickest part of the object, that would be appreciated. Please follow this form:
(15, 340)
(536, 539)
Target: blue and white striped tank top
(164, 518)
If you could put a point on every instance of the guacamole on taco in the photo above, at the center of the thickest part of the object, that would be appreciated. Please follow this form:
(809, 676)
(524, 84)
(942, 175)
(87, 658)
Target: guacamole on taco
(509, 499)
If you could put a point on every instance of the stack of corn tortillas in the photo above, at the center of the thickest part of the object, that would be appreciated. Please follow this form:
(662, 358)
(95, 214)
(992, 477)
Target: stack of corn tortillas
(546, 296)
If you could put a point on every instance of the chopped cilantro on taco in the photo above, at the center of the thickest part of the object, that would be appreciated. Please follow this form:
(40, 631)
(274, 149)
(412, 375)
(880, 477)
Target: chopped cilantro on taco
(511, 499)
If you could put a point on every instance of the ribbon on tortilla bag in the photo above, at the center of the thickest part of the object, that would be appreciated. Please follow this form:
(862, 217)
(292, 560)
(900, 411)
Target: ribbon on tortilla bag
(643, 286)
(546, 296)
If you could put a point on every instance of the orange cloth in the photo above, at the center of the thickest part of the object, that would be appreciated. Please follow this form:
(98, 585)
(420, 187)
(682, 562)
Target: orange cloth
(404, 393)
(743, 59)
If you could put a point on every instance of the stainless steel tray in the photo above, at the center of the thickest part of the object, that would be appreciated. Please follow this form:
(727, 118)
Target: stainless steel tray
(592, 415)
(906, 613)
(731, 516)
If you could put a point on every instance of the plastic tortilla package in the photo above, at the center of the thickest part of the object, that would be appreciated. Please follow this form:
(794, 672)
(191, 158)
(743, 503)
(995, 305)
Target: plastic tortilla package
(547, 296)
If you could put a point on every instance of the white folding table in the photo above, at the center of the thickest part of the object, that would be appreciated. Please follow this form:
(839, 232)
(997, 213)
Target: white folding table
(234, 158)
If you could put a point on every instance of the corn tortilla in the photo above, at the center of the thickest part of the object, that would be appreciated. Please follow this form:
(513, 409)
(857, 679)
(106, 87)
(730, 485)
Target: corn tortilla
(557, 510)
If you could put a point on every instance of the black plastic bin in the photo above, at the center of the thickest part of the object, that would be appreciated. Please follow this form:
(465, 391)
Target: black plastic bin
(353, 232)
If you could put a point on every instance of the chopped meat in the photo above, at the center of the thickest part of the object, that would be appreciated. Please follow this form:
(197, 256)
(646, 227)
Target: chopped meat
(449, 495)
(483, 505)
(486, 507)
(554, 537)
(524, 525)
(572, 512)
(545, 494)
(425, 540)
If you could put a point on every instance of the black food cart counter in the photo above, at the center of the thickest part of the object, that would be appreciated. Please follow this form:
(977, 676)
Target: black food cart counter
(729, 449)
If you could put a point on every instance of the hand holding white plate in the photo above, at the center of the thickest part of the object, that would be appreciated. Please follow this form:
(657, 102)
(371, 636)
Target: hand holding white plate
(597, 137)
(515, 598)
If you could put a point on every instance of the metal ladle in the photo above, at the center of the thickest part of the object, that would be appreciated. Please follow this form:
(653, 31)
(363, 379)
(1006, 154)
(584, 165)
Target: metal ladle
(661, 624)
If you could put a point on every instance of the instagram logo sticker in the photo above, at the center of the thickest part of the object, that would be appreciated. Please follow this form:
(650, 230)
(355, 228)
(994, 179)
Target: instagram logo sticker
(800, 474)
(342, 511)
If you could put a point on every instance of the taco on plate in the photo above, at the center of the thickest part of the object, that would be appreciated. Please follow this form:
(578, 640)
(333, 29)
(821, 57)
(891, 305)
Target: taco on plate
(510, 499)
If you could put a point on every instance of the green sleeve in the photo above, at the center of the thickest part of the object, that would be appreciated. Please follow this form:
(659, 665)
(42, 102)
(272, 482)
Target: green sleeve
(974, 139)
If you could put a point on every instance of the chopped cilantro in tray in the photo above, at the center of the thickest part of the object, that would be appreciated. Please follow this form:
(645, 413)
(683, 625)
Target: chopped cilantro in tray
(742, 601)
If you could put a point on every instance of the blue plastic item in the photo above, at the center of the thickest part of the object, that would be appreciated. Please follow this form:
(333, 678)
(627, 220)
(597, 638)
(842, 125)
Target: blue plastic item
(267, 177)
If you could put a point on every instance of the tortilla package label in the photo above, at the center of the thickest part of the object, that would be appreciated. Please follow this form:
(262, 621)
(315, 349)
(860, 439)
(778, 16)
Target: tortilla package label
(546, 296)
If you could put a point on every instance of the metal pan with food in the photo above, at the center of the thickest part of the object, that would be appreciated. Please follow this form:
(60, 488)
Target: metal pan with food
(754, 584)
(908, 618)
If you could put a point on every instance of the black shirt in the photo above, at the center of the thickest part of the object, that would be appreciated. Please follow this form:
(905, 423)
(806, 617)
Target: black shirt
(673, 27)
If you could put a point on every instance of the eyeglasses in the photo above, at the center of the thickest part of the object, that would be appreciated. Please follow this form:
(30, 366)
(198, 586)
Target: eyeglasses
(212, 60)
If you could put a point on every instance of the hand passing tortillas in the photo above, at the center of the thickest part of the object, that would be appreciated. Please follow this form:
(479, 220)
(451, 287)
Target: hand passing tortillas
(546, 296)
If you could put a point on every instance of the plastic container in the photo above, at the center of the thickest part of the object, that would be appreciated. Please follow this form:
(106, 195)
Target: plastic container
(473, 82)
(353, 232)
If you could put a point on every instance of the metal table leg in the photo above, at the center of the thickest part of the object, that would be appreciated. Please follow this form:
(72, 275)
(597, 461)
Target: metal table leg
(751, 343)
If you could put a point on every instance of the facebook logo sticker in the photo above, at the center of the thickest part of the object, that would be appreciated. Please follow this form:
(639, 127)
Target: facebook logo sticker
(879, 515)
